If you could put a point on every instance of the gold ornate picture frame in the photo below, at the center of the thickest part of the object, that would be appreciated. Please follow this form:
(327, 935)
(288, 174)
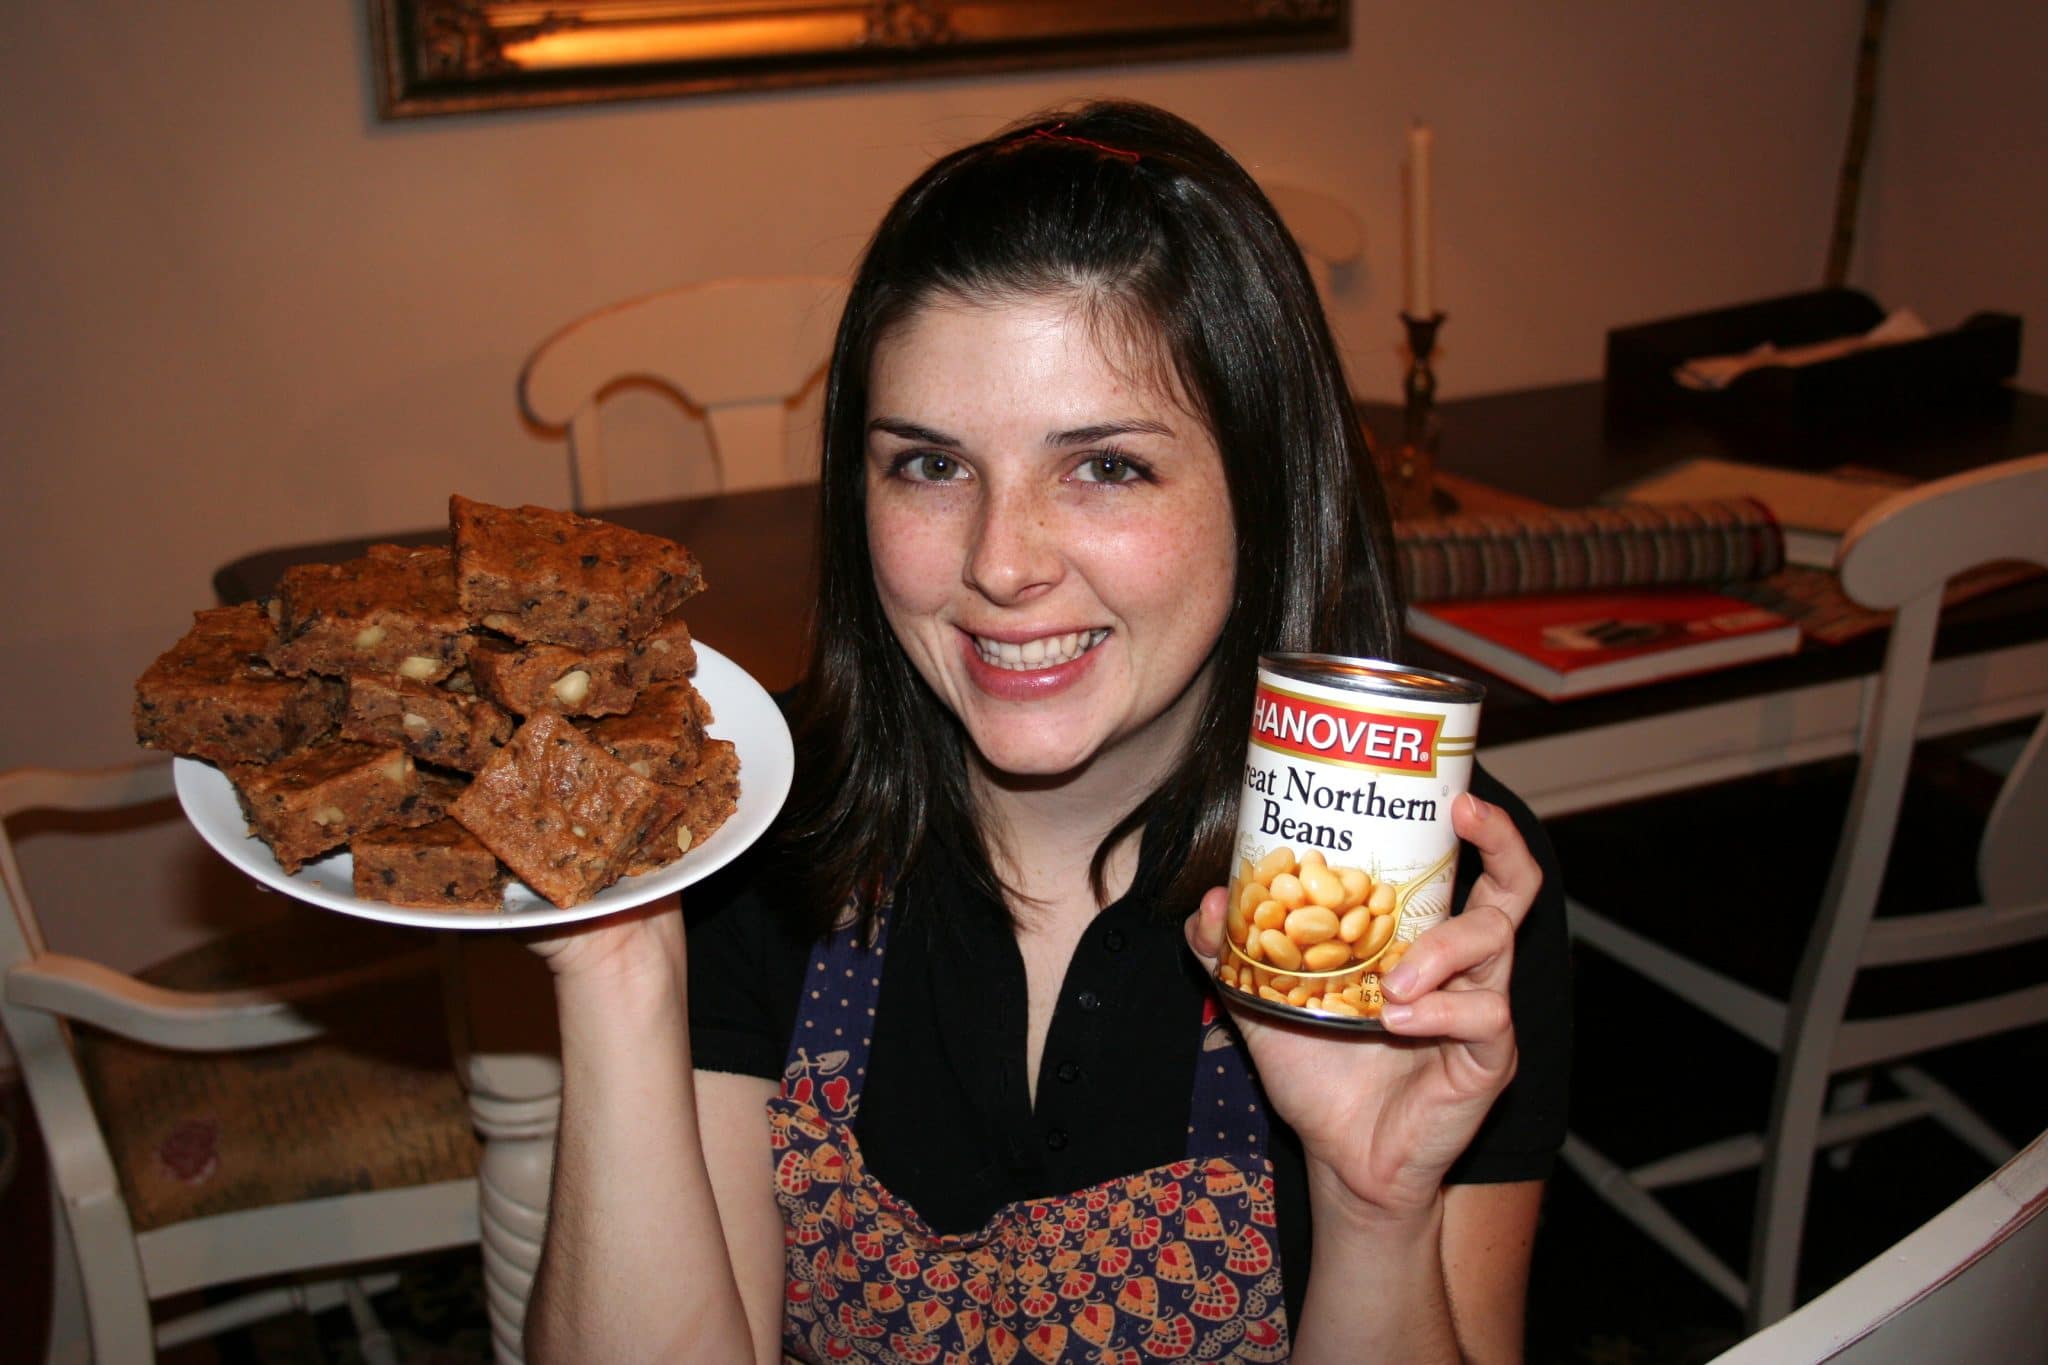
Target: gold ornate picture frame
(462, 56)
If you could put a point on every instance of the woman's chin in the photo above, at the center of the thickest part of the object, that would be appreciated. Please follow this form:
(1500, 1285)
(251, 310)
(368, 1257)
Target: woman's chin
(1037, 750)
(1032, 764)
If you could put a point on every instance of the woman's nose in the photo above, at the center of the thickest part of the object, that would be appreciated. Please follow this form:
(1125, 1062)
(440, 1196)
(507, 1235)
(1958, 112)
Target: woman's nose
(1015, 555)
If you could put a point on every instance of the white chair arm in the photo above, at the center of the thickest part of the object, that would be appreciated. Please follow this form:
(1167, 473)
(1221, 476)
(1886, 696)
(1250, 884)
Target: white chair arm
(127, 784)
(190, 1021)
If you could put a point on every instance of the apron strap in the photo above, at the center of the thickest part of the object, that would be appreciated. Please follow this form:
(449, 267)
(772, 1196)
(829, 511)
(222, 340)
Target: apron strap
(835, 1022)
(1227, 1115)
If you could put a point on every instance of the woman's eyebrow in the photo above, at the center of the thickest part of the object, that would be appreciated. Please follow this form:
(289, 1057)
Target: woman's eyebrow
(1102, 431)
(911, 431)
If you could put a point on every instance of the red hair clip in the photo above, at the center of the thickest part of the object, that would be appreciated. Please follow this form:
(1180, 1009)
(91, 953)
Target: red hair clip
(1053, 134)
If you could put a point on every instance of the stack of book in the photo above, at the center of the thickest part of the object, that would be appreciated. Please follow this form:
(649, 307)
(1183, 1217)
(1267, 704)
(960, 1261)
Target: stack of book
(1720, 540)
(1568, 603)
(1812, 510)
(1564, 645)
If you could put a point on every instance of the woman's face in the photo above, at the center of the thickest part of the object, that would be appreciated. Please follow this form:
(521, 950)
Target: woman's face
(1051, 533)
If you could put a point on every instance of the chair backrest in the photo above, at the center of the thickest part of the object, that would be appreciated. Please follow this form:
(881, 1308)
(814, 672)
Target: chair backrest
(740, 352)
(33, 789)
(1901, 555)
(1323, 226)
(1965, 1286)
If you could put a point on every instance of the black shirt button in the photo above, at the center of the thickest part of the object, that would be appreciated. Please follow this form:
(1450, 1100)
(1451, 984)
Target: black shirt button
(1088, 1000)
(1069, 1072)
(1056, 1138)
(1114, 940)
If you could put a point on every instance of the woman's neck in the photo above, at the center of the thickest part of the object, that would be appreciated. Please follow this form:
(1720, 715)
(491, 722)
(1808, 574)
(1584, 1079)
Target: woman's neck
(1043, 834)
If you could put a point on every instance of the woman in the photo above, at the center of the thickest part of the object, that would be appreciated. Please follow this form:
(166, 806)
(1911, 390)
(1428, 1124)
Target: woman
(1088, 452)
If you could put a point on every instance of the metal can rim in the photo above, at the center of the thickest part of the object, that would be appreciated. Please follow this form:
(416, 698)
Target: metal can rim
(1379, 676)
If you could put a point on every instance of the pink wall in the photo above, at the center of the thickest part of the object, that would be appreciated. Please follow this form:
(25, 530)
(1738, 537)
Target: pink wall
(243, 312)
(1956, 199)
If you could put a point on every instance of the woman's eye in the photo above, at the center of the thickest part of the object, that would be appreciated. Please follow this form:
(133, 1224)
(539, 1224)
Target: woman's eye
(929, 467)
(1110, 469)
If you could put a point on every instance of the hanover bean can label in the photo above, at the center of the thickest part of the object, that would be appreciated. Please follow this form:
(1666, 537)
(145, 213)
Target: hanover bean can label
(1344, 841)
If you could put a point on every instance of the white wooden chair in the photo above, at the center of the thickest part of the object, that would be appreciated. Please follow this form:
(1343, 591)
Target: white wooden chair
(1900, 555)
(741, 353)
(177, 1160)
(1965, 1286)
(1324, 227)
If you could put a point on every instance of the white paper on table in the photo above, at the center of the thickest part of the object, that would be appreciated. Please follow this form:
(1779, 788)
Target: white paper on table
(1707, 373)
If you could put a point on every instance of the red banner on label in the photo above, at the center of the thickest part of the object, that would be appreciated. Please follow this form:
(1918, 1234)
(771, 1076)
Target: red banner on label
(1317, 729)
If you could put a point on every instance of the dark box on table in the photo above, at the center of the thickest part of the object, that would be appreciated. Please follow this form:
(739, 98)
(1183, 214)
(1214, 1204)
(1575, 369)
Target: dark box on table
(1964, 366)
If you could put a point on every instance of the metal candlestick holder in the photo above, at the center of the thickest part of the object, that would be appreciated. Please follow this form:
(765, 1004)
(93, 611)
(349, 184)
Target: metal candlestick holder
(1409, 471)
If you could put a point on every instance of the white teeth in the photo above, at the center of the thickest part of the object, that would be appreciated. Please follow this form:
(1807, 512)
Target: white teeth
(1048, 651)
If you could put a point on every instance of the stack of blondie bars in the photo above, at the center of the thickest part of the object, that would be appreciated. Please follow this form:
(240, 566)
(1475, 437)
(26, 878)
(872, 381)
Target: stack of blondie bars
(518, 706)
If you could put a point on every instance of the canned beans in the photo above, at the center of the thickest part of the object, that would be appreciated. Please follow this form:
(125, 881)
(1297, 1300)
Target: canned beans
(1303, 933)
(1345, 848)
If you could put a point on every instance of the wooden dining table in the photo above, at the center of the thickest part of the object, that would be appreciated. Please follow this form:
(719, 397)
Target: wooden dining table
(1555, 445)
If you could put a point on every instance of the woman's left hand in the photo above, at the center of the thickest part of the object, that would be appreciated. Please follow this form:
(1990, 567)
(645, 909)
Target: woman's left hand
(1385, 1115)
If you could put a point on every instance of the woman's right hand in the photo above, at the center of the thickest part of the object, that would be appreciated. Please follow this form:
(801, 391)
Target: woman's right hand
(1386, 1114)
(619, 950)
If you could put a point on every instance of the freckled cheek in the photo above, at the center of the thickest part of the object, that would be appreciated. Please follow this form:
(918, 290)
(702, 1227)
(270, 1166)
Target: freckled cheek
(914, 564)
(1171, 562)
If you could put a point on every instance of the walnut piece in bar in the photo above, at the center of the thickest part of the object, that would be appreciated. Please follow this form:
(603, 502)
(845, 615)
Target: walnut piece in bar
(436, 866)
(320, 798)
(213, 695)
(581, 682)
(558, 810)
(564, 579)
(528, 679)
(453, 729)
(392, 611)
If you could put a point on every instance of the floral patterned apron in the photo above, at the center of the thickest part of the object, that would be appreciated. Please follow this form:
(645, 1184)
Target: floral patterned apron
(1176, 1263)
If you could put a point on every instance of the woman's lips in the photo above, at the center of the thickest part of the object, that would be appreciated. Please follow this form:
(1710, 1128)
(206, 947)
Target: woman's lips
(1030, 670)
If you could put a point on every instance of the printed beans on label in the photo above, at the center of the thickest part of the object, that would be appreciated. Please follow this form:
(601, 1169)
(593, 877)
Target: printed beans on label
(1304, 957)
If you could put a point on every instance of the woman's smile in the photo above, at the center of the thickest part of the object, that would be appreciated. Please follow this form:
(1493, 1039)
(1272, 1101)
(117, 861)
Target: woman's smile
(1034, 669)
(1050, 530)
(1044, 651)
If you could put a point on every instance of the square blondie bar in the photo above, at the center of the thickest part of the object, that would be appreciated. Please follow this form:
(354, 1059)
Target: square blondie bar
(392, 611)
(559, 578)
(562, 813)
(321, 797)
(435, 866)
(527, 679)
(214, 695)
(438, 724)
(697, 809)
(661, 736)
(664, 656)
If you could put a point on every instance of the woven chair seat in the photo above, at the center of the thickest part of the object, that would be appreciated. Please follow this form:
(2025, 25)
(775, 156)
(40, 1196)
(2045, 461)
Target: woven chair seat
(372, 1105)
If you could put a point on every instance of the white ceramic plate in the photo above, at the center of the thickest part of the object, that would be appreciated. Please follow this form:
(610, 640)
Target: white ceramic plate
(746, 715)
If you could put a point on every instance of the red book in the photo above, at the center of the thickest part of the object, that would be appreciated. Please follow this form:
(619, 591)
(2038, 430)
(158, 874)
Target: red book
(1575, 644)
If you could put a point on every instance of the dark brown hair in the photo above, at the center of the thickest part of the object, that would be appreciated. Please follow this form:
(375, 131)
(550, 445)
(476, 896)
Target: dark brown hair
(1141, 211)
